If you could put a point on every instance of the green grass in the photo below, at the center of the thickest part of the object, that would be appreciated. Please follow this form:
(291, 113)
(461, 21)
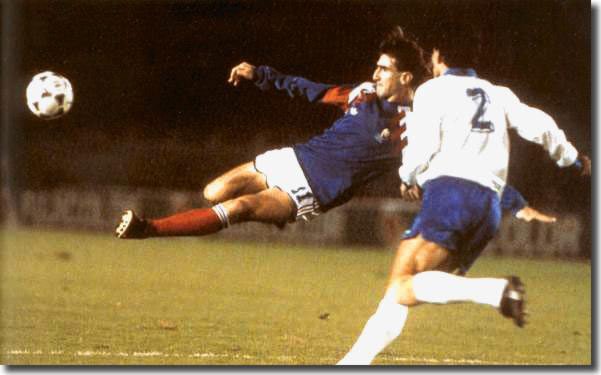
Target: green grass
(78, 298)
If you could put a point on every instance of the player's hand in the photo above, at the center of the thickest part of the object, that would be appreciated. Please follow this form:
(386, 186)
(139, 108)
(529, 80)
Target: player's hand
(410, 193)
(242, 70)
(587, 165)
(528, 214)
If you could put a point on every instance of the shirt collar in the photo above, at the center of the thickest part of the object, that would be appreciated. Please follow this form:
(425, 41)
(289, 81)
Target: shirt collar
(469, 72)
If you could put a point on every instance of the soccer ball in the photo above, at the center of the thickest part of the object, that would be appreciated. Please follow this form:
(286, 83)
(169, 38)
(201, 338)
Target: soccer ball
(49, 95)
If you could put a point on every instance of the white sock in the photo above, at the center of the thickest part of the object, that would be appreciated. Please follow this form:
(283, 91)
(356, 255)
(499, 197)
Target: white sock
(221, 212)
(381, 329)
(443, 287)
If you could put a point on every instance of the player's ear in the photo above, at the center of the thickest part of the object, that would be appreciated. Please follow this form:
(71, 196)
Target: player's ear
(406, 78)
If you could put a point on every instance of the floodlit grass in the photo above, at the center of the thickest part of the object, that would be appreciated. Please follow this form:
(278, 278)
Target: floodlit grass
(78, 298)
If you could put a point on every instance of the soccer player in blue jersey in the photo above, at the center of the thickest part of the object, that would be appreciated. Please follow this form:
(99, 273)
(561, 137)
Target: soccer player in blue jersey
(307, 179)
(456, 161)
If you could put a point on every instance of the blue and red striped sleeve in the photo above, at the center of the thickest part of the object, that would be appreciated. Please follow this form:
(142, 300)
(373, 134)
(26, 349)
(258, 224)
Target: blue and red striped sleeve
(267, 78)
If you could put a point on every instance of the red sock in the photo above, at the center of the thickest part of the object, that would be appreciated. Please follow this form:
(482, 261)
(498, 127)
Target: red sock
(197, 222)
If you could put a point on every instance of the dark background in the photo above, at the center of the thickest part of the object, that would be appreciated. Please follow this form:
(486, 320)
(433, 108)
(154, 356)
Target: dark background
(153, 108)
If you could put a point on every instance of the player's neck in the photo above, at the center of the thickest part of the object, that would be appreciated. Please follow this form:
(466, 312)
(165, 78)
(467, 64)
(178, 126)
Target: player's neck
(439, 69)
(406, 96)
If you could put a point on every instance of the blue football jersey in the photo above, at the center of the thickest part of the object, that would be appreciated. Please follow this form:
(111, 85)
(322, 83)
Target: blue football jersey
(362, 144)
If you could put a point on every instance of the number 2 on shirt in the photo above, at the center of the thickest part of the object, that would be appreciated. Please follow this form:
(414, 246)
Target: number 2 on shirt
(478, 124)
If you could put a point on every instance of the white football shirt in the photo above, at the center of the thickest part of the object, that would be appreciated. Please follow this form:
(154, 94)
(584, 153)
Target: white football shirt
(459, 127)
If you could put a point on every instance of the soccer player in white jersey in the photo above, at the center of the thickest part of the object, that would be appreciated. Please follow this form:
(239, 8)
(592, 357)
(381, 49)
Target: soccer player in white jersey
(456, 161)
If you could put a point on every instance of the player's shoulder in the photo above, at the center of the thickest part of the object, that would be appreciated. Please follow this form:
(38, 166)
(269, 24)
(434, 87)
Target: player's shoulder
(436, 90)
(429, 88)
(503, 93)
(498, 94)
(428, 85)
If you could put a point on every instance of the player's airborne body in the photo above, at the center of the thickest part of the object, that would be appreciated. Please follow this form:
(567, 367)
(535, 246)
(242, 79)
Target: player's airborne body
(308, 178)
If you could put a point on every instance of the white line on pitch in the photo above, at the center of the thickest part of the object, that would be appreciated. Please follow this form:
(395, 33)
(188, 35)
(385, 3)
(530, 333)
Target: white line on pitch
(91, 353)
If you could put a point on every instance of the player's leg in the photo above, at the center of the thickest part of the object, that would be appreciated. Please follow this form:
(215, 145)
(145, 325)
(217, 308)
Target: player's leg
(241, 180)
(276, 205)
(288, 194)
(414, 255)
(271, 206)
(420, 273)
(386, 324)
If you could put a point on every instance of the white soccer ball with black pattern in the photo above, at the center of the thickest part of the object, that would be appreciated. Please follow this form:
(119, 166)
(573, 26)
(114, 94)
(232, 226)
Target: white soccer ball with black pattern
(49, 95)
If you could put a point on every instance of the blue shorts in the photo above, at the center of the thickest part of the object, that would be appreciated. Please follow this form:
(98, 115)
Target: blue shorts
(459, 215)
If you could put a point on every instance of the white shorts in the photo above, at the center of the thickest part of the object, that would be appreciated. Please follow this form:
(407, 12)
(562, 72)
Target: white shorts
(282, 170)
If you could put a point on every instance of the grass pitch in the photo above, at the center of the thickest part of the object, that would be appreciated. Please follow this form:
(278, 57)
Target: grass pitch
(76, 298)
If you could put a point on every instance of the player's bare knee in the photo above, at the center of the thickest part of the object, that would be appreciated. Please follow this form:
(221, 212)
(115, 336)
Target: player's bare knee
(400, 290)
(211, 192)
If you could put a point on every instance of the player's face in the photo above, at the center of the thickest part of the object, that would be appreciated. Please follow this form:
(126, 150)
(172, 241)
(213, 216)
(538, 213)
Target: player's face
(390, 83)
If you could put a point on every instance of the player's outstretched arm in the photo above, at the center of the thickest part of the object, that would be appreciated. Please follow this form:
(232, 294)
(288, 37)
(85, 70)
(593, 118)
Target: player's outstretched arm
(528, 214)
(537, 126)
(267, 78)
(513, 201)
(242, 70)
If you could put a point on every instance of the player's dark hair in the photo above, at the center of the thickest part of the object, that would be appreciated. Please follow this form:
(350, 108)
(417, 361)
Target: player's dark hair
(459, 44)
(409, 56)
